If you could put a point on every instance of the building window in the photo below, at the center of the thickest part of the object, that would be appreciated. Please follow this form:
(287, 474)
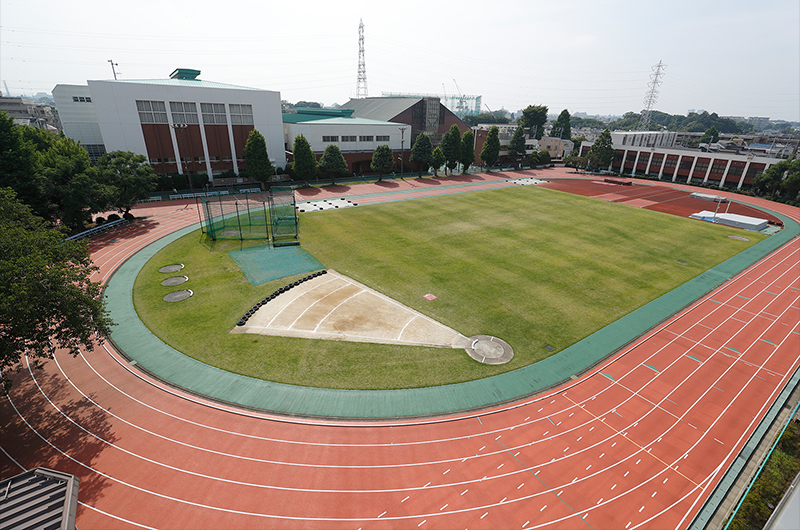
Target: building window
(152, 111)
(241, 114)
(183, 112)
(213, 113)
(330, 138)
(365, 138)
(381, 138)
(348, 138)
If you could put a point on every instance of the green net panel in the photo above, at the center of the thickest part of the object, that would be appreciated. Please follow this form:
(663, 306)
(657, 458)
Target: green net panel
(243, 216)
(283, 216)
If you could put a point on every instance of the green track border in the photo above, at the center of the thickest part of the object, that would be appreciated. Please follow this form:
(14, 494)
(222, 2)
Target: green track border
(137, 343)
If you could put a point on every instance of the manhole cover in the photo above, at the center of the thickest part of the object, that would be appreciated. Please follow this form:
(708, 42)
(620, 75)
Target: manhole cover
(171, 268)
(177, 296)
(739, 238)
(489, 350)
(175, 280)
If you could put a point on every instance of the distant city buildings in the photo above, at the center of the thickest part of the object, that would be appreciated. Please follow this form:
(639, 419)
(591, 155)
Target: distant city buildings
(32, 113)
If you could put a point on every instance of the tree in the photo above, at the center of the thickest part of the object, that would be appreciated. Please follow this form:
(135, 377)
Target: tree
(421, 153)
(333, 162)
(255, 154)
(308, 104)
(781, 179)
(467, 150)
(70, 193)
(17, 162)
(47, 300)
(305, 162)
(437, 159)
(561, 127)
(516, 146)
(451, 147)
(382, 160)
(544, 157)
(710, 136)
(128, 179)
(490, 152)
(533, 159)
(485, 117)
(602, 152)
(533, 118)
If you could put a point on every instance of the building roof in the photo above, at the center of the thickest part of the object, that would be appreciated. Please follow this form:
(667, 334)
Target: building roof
(302, 114)
(40, 498)
(194, 83)
(290, 118)
(381, 109)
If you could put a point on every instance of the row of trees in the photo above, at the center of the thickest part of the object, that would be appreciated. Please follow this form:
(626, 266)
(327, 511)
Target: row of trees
(455, 149)
(55, 178)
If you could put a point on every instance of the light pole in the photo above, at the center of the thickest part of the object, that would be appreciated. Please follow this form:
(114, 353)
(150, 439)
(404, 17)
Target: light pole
(180, 127)
(402, 152)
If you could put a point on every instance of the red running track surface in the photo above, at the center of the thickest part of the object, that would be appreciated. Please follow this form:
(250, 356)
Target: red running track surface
(639, 442)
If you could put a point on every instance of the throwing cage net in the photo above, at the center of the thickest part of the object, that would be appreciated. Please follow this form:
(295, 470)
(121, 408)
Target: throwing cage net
(271, 216)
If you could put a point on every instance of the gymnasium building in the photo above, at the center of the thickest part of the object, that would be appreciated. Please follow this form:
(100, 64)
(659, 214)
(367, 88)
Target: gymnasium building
(203, 124)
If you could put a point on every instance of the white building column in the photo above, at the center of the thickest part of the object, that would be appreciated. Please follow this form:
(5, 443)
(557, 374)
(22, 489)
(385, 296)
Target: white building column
(624, 159)
(635, 162)
(725, 173)
(661, 170)
(708, 169)
(677, 167)
(230, 138)
(744, 173)
(205, 143)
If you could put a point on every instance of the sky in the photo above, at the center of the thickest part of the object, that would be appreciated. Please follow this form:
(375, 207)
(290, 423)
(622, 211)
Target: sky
(735, 58)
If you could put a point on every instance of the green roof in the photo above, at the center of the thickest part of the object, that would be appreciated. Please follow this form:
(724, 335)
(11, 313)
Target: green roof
(321, 120)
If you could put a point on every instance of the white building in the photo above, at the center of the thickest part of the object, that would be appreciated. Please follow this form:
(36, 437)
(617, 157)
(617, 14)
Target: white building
(203, 124)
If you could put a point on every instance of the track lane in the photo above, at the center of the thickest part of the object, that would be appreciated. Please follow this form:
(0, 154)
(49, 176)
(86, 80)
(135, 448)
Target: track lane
(426, 457)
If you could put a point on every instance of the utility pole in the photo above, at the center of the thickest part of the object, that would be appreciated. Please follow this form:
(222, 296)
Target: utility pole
(113, 64)
(402, 152)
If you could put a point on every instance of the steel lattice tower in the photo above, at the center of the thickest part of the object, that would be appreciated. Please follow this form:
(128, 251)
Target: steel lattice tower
(361, 87)
(651, 96)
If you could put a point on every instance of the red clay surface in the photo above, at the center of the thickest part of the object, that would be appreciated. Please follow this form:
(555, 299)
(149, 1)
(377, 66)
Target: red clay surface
(639, 442)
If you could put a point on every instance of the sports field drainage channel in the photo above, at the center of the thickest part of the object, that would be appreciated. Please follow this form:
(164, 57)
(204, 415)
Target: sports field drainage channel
(137, 342)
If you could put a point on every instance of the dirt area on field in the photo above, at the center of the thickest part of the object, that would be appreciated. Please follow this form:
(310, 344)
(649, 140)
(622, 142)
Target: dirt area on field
(335, 307)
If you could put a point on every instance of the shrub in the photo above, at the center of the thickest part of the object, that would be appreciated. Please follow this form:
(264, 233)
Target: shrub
(99, 220)
(113, 217)
(128, 216)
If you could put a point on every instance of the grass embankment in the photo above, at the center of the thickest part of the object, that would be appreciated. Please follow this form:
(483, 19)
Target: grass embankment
(534, 267)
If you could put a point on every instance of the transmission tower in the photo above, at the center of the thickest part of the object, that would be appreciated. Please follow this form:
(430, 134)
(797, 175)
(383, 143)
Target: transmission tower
(361, 87)
(651, 96)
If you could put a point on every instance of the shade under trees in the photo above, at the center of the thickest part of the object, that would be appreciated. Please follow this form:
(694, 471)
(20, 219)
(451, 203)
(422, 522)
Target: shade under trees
(305, 162)
(421, 153)
(490, 153)
(382, 160)
(255, 155)
(533, 118)
(47, 300)
(467, 150)
(332, 162)
(602, 152)
(561, 127)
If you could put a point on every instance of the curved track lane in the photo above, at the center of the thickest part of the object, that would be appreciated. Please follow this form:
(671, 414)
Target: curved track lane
(639, 442)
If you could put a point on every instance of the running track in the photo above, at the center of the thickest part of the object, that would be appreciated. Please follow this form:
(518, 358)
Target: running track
(639, 442)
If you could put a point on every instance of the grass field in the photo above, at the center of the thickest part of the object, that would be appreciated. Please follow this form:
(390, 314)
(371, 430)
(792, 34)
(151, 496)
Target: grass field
(532, 266)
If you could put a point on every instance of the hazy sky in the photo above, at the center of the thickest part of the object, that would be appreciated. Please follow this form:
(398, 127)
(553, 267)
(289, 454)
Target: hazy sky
(738, 58)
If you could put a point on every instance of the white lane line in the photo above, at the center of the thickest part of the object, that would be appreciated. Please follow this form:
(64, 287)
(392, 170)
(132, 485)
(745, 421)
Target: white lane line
(340, 304)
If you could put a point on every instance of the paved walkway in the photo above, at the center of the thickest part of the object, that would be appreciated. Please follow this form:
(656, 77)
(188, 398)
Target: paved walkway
(132, 337)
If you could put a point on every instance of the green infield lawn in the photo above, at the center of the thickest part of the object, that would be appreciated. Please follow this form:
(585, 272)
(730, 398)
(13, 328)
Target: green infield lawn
(532, 266)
